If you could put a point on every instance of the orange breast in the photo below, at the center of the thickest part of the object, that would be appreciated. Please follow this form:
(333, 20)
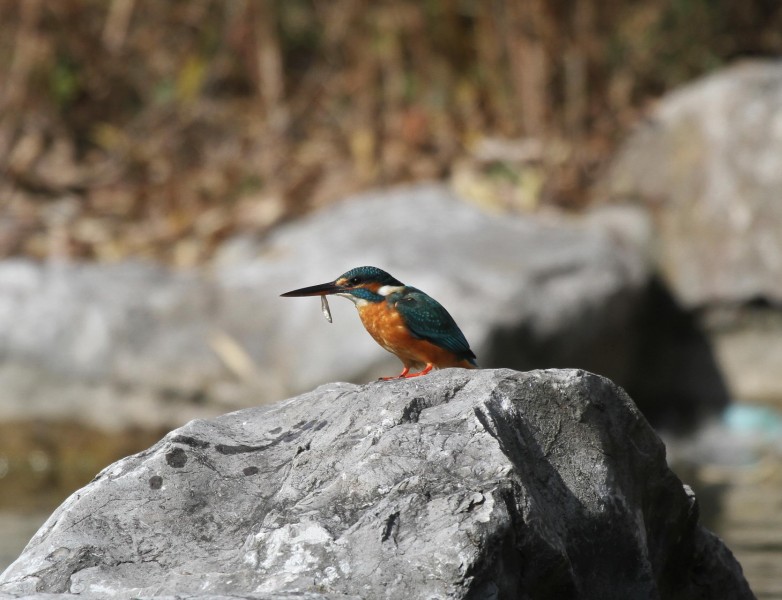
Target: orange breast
(387, 328)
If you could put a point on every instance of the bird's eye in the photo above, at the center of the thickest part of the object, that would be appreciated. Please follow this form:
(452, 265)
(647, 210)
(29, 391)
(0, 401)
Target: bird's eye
(354, 280)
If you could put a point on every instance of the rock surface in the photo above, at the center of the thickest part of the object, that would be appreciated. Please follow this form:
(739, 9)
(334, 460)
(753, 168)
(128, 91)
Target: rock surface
(461, 484)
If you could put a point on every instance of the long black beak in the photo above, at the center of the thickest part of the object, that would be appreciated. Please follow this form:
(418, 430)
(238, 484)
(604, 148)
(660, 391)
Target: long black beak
(323, 289)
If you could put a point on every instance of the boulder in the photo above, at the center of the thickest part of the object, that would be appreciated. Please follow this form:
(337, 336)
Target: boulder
(708, 163)
(708, 166)
(460, 484)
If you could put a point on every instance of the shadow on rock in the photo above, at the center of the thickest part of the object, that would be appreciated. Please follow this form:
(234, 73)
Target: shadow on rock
(676, 380)
(651, 347)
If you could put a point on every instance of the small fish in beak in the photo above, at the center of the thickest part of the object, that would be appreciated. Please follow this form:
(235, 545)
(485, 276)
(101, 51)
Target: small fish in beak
(324, 307)
(322, 290)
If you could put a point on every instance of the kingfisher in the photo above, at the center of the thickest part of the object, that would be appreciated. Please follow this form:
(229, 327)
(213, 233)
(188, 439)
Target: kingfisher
(402, 319)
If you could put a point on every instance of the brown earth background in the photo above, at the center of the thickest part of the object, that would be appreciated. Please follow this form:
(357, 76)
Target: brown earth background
(157, 129)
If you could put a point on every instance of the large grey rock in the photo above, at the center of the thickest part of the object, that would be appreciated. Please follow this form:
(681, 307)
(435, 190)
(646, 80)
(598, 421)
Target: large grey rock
(136, 344)
(708, 165)
(460, 484)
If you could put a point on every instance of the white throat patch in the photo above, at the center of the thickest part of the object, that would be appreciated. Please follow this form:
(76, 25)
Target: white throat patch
(387, 290)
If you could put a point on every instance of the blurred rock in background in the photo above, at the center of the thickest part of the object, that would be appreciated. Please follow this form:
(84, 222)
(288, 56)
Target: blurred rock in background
(145, 347)
(708, 167)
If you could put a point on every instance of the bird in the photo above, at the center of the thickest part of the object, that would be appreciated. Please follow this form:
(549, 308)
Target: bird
(402, 319)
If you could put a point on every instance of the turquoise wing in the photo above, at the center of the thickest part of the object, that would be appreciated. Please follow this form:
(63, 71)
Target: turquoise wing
(427, 319)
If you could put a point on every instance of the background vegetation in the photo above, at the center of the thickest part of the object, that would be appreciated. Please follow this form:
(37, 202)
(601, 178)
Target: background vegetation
(147, 128)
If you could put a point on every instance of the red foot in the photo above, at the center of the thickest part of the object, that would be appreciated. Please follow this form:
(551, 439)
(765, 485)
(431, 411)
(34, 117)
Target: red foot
(405, 374)
(424, 372)
(402, 375)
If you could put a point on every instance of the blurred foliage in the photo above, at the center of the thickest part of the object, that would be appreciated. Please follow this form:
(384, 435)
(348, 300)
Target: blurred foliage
(136, 127)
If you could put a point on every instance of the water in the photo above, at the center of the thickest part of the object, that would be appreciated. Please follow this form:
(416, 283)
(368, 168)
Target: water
(17, 530)
(749, 523)
(42, 462)
(734, 465)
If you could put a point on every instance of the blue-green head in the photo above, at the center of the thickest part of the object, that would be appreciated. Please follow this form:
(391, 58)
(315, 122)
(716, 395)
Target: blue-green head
(362, 283)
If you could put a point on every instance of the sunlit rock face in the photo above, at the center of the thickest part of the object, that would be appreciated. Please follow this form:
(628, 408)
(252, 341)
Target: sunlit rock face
(459, 484)
(708, 162)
